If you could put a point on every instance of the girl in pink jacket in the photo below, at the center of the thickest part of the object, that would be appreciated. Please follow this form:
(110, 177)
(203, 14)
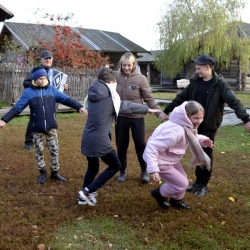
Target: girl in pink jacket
(166, 147)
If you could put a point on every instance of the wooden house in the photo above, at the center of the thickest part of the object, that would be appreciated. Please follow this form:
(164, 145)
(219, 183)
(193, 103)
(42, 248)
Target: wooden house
(109, 43)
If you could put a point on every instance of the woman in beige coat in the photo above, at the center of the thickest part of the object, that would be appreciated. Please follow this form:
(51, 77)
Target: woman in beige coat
(132, 86)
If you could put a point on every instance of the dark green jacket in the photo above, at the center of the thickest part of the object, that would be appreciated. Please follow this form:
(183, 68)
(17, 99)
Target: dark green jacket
(219, 94)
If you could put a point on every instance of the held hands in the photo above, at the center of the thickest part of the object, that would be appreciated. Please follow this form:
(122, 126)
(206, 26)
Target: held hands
(152, 111)
(2, 124)
(209, 143)
(84, 111)
(162, 116)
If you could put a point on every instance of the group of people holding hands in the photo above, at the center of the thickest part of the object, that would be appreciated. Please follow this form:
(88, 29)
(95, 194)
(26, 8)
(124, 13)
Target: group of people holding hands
(194, 117)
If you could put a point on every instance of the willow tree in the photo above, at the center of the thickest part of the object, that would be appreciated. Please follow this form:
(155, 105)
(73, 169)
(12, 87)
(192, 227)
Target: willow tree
(193, 27)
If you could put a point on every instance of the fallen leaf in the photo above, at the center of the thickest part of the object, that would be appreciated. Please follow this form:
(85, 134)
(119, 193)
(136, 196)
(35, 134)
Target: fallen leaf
(75, 237)
(222, 152)
(116, 216)
(79, 218)
(223, 223)
(231, 199)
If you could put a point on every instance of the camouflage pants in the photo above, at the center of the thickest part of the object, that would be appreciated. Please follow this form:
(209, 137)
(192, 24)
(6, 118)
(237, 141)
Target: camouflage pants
(52, 143)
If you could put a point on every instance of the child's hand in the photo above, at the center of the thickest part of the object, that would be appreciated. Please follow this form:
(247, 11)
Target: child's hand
(152, 111)
(208, 143)
(2, 123)
(156, 177)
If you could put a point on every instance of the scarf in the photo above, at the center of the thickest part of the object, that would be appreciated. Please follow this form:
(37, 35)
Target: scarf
(199, 157)
(115, 96)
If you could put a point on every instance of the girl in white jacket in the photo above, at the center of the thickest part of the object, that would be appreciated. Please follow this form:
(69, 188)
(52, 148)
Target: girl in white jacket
(166, 147)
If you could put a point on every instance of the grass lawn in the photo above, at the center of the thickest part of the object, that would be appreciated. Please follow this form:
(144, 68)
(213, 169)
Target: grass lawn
(126, 216)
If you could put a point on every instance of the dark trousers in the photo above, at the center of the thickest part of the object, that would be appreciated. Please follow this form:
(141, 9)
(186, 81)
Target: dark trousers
(28, 134)
(114, 166)
(203, 175)
(122, 128)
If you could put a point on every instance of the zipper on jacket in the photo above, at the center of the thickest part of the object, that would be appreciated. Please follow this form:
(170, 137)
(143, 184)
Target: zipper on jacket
(41, 91)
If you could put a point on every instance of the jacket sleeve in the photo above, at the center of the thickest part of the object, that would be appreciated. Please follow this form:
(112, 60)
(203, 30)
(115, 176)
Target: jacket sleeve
(157, 143)
(201, 139)
(132, 108)
(233, 102)
(178, 100)
(20, 105)
(147, 95)
(66, 100)
(27, 80)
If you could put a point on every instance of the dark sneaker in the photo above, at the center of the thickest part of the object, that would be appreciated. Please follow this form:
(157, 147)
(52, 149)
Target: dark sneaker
(192, 187)
(201, 190)
(88, 197)
(28, 147)
(178, 204)
(144, 177)
(122, 177)
(160, 199)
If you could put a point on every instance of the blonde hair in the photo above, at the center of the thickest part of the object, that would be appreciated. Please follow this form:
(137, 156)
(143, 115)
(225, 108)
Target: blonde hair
(193, 107)
(130, 57)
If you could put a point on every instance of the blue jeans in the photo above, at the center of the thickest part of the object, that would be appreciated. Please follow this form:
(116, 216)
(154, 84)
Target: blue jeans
(114, 166)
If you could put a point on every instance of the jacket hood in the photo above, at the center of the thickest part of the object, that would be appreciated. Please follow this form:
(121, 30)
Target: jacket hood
(97, 91)
(179, 116)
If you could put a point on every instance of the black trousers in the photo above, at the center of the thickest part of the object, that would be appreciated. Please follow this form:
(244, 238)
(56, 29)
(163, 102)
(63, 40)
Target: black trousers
(114, 166)
(203, 175)
(122, 133)
(28, 135)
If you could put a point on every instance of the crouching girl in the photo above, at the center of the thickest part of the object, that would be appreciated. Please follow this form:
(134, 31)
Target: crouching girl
(166, 147)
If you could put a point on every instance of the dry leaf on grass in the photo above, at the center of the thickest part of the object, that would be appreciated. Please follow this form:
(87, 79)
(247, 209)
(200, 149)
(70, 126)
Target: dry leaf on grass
(41, 247)
(231, 199)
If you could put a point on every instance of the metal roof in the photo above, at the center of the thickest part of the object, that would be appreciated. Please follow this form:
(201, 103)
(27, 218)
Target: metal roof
(99, 40)
(5, 14)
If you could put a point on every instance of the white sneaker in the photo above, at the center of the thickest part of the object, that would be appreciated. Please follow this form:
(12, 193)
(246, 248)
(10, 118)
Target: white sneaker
(81, 201)
(84, 195)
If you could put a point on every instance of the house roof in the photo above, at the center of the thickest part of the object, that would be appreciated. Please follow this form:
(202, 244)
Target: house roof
(98, 40)
(4, 14)
(244, 30)
(147, 57)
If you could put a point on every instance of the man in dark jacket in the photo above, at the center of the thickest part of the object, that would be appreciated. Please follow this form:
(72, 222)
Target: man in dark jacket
(41, 97)
(46, 63)
(212, 91)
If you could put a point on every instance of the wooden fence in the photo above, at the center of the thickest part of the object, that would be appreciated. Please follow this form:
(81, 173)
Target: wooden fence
(12, 77)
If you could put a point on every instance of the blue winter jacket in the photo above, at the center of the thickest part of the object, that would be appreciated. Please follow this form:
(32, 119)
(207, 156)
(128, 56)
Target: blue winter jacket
(42, 102)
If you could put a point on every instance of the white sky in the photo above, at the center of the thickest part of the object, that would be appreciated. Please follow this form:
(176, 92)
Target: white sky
(134, 19)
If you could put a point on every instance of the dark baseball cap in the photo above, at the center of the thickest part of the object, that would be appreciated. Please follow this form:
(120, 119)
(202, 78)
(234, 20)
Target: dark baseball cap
(46, 54)
(204, 59)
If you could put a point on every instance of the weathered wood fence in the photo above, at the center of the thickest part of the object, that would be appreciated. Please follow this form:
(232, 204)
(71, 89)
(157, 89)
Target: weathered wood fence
(12, 77)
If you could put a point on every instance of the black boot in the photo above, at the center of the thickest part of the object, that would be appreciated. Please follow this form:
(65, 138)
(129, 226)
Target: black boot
(192, 187)
(42, 177)
(178, 204)
(160, 199)
(56, 176)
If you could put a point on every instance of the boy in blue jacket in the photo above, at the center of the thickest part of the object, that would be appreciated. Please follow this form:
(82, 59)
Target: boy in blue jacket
(41, 97)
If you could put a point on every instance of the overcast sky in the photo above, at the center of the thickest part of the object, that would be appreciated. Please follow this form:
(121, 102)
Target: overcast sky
(134, 19)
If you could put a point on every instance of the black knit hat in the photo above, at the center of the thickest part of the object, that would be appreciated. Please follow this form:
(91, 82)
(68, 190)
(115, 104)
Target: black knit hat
(38, 72)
